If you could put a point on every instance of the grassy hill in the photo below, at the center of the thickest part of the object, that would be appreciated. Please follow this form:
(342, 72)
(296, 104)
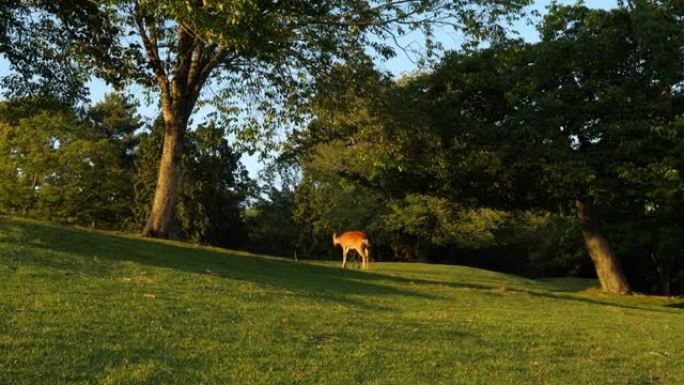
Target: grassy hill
(83, 307)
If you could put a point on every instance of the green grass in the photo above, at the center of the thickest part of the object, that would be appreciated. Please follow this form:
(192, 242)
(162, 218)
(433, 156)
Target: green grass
(83, 307)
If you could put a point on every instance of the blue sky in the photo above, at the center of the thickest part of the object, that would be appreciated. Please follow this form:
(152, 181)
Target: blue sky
(398, 65)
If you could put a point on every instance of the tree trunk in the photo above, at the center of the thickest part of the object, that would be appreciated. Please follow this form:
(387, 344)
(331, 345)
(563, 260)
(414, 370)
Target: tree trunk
(168, 183)
(665, 284)
(607, 266)
(192, 66)
(663, 266)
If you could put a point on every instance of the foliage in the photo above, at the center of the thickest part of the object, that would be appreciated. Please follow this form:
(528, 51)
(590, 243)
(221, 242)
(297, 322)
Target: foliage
(375, 159)
(270, 224)
(334, 205)
(214, 188)
(608, 130)
(554, 244)
(276, 49)
(41, 60)
(56, 166)
(117, 119)
(653, 248)
(605, 122)
(439, 221)
(96, 168)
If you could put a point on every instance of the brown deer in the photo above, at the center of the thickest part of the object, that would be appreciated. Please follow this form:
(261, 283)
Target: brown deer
(353, 240)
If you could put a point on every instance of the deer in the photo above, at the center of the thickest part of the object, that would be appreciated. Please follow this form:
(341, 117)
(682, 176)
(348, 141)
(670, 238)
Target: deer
(353, 240)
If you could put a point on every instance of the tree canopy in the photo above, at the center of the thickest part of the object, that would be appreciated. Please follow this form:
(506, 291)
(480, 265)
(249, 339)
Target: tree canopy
(267, 49)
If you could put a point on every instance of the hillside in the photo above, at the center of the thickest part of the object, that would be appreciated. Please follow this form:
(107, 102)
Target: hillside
(84, 307)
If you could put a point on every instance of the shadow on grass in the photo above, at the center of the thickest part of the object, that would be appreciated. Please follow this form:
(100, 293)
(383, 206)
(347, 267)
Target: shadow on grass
(311, 281)
(558, 295)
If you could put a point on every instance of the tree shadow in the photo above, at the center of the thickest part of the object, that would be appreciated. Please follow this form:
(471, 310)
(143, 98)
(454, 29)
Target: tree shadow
(566, 297)
(347, 287)
(678, 305)
(559, 295)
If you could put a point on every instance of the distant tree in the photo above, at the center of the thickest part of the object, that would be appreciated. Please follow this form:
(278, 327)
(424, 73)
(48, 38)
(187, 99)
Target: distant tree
(214, 189)
(116, 118)
(55, 166)
(651, 244)
(271, 227)
(330, 203)
(373, 159)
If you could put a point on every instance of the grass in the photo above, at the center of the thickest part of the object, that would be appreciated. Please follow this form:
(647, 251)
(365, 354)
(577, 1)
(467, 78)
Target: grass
(84, 307)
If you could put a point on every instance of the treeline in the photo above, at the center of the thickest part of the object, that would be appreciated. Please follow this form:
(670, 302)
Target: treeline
(97, 166)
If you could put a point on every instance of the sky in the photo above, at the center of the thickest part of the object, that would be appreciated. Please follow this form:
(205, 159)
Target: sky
(398, 65)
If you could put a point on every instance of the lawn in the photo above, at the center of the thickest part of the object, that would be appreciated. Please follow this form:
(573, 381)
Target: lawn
(86, 307)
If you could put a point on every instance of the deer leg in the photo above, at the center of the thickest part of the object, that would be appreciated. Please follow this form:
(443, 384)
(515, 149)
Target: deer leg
(367, 257)
(344, 256)
(363, 257)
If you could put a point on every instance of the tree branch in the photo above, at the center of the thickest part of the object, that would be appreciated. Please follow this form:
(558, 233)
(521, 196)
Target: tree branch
(152, 53)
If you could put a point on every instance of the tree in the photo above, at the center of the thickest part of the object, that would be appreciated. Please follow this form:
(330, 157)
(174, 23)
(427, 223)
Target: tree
(214, 189)
(56, 166)
(589, 118)
(178, 47)
(612, 109)
(270, 223)
(116, 118)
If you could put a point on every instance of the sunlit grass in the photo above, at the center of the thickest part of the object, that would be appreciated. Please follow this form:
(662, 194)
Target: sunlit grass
(82, 307)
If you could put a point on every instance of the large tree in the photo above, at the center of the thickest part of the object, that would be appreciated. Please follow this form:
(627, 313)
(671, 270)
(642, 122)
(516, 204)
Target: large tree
(176, 48)
(586, 120)
(607, 93)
